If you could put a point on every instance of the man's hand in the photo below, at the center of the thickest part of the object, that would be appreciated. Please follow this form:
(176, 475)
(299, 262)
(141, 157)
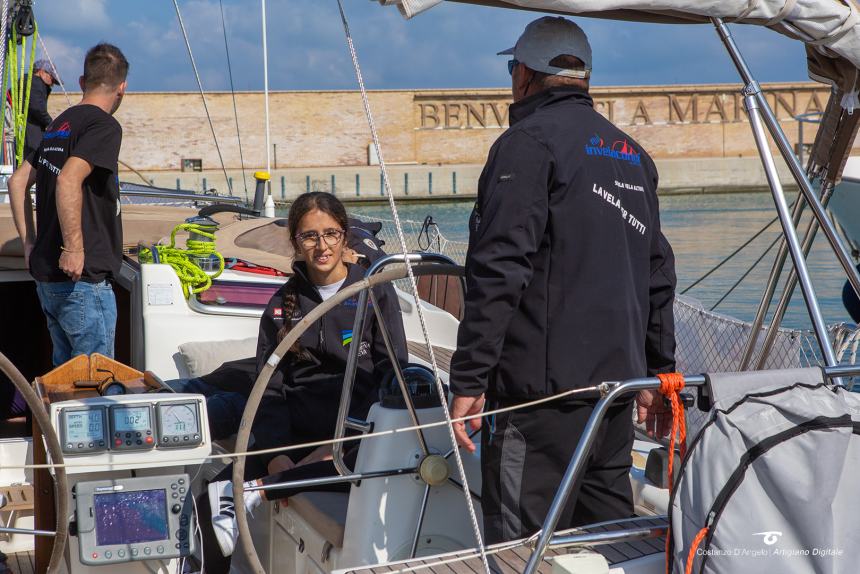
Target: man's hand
(28, 249)
(464, 407)
(652, 410)
(72, 264)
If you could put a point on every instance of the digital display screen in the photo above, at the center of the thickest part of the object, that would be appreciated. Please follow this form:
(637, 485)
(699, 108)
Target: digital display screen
(131, 419)
(179, 419)
(84, 426)
(131, 517)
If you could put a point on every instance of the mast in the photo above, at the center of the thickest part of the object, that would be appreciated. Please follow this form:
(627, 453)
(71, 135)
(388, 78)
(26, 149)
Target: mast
(270, 205)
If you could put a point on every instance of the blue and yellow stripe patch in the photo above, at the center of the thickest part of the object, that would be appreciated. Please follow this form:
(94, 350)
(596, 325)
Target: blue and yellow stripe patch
(346, 337)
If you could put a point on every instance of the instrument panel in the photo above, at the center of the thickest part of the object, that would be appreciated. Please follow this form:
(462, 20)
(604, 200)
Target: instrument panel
(131, 426)
(84, 430)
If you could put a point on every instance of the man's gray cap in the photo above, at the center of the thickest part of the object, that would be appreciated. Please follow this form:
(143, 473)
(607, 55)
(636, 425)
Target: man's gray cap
(549, 37)
(47, 67)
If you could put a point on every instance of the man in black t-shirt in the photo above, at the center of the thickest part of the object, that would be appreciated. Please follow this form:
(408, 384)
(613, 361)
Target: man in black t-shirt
(75, 246)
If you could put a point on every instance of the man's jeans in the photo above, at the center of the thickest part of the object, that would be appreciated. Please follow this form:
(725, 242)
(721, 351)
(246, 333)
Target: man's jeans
(81, 317)
(225, 408)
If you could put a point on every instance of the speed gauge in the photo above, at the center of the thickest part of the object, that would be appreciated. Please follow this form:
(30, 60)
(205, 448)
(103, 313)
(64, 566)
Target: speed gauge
(179, 424)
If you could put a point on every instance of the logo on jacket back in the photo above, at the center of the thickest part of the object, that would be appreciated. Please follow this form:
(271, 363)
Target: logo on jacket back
(346, 336)
(61, 132)
(620, 150)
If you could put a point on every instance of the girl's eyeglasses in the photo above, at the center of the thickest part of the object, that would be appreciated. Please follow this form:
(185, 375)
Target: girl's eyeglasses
(330, 237)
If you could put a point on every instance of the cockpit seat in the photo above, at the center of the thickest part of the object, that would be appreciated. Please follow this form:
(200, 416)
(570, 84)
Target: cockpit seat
(325, 512)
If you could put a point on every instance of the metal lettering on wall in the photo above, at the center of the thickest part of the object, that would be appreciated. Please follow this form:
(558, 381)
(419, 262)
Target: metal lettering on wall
(636, 108)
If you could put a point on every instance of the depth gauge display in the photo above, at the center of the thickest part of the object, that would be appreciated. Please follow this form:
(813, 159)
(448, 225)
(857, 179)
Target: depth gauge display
(179, 424)
(83, 430)
(131, 427)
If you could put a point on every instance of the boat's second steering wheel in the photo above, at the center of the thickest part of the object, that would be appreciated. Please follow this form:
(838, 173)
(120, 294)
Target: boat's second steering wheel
(52, 444)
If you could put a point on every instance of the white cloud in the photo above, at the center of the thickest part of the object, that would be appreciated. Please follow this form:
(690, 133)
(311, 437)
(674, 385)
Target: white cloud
(72, 15)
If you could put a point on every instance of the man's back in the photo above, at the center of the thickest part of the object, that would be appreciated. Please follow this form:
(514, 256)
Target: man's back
(87, 132)
(574, 199)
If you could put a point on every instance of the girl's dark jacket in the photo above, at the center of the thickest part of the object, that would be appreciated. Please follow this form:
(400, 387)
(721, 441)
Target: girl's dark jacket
(317, 372)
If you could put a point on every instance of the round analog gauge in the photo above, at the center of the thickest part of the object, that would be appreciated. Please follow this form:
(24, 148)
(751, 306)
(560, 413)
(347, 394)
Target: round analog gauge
(180, 419)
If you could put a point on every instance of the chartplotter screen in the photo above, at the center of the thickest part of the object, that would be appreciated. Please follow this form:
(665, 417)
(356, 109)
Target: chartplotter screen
(131, 517)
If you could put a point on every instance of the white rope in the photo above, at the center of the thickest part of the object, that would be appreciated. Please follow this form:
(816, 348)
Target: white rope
(202, 94)
(329, 442)
(54, 68)
(414, 286)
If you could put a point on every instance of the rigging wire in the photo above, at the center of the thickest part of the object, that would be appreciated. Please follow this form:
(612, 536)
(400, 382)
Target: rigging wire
(233, 93)
(202, 94)
(54, 68)
(586, 392)
(747, 272)
(414, 288)
(732, 254)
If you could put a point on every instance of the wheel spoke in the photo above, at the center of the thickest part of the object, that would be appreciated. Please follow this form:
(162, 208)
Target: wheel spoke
(420, 521)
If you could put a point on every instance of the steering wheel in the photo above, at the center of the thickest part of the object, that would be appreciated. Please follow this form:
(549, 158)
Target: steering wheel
(387, 275)
(61, 536)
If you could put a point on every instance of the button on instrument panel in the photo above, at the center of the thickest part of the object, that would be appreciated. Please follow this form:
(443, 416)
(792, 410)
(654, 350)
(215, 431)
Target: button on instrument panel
(89, 429)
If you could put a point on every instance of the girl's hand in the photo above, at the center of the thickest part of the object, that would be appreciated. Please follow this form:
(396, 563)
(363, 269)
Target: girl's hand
(320, 454)
(281, 463)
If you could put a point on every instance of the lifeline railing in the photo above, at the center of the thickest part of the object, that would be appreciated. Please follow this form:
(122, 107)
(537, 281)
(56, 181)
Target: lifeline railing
(609, 393)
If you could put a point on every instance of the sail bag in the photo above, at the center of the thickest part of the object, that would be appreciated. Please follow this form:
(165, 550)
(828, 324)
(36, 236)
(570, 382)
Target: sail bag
(770, 482)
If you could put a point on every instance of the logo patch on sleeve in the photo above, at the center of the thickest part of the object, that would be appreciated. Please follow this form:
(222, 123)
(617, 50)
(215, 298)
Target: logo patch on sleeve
(346, 336)
(278, 312)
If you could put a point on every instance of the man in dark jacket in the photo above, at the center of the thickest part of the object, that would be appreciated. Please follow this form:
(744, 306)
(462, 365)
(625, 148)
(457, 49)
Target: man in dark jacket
(38, 117)
(570, 283)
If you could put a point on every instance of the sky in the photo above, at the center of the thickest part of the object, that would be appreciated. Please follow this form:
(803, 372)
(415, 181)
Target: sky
(451, 46)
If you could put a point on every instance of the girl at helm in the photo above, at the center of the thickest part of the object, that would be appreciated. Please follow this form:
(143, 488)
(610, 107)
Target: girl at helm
(302, 398)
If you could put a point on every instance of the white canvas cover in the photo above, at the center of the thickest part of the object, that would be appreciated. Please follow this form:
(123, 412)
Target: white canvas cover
(831, 27)
(774, 476)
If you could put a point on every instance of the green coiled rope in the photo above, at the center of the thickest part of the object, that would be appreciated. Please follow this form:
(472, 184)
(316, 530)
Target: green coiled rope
(194, 279)
(20, 90)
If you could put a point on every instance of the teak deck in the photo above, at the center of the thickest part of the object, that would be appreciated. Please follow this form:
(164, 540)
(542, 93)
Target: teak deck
(514, 560)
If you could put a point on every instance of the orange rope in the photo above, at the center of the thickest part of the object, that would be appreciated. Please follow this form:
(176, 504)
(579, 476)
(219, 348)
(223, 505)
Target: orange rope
(670, 385)
(691, 556)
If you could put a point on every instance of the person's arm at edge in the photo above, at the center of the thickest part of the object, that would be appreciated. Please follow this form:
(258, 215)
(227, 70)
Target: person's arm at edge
(513, 220)
(21, 202)
(69, 205)
(267, 341)
(660, 336)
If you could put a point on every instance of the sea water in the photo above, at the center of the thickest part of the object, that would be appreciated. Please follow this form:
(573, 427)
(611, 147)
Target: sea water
(703, 230)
